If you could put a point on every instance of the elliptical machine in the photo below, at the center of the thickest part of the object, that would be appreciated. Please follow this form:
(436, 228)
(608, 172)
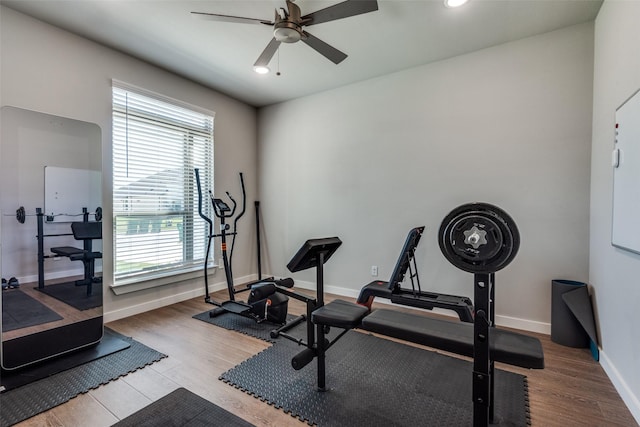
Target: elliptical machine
(264, 303)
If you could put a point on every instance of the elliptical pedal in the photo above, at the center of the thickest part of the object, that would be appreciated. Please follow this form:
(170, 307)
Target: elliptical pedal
(231, 307)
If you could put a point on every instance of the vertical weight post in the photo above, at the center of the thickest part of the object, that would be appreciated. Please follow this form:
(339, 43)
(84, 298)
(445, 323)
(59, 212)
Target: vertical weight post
(40, 238)
(481, 356)
(320, 328)
(257, 204)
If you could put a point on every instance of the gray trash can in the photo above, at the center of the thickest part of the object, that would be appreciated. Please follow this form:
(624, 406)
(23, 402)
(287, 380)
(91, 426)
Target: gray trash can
(565, 328)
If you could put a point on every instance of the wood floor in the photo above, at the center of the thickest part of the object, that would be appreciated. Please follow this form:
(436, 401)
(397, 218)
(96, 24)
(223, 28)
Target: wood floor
(571, 391)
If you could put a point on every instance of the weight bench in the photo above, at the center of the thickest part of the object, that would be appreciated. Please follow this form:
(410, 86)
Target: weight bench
(414, 296)
(505, 346)
(475, 336)
(87, 232)
(455, 337)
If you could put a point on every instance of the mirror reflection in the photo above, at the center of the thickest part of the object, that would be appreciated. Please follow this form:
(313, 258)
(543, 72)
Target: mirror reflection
(51, 235)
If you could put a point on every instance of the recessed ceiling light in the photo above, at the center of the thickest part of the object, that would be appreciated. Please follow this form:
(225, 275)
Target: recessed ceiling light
(454, 3)
(261, 69)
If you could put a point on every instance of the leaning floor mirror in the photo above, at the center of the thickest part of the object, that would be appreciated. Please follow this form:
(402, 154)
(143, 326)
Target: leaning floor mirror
(50, 236)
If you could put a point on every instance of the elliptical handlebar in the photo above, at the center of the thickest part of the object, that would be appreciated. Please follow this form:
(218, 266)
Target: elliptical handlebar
(244, 200)
(207, 298)
(202, 215)
(235, 221)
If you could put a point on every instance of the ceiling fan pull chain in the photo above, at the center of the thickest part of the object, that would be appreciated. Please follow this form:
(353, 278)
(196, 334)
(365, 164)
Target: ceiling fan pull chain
(278, 72)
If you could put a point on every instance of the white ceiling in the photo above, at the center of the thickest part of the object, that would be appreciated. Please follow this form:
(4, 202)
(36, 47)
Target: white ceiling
(220, 55)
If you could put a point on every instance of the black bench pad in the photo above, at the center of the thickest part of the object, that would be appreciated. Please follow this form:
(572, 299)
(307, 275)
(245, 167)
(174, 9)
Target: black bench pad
(457, 337)
(67, 251)
(88, 256)
(339, 314)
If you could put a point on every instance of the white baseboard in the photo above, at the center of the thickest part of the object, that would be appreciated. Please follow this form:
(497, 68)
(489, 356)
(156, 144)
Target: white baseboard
(33, 278)
(505, 321)
(110, 316)
(628, 397)
(523, 324)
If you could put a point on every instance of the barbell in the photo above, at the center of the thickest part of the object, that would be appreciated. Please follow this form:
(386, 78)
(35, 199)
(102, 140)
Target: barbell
(21, 215)
(479, 238)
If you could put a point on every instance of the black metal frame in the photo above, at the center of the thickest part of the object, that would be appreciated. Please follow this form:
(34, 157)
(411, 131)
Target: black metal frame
(313, 254)
(483, 383)
(223, 215)
(483, 364)
(223, 212)
(40, 237)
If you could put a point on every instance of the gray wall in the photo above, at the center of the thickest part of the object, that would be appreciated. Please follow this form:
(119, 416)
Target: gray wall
(508, 125)
(52, 71)
(613, 272)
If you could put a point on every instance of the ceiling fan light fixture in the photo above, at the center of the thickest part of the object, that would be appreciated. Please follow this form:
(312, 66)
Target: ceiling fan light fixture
(454, 3)
(261, 69)
(287, 34)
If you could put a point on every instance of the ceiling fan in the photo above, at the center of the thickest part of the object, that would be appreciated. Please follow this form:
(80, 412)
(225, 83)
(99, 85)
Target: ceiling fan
(288, 26)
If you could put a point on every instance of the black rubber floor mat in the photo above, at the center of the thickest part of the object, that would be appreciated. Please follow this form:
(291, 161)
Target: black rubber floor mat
(376, 382)
(182, 408)
(242, 324)
(19, 310)
(75, 296)
(39, 396)
(111, 342)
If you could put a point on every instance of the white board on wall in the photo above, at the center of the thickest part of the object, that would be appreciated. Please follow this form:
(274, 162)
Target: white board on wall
(625, 231)
(68, 190)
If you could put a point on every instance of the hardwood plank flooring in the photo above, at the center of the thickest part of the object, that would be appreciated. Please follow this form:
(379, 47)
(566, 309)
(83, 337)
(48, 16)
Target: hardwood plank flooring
(572, 390)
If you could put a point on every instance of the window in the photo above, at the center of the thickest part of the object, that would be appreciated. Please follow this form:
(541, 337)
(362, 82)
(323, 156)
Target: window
(157, 144)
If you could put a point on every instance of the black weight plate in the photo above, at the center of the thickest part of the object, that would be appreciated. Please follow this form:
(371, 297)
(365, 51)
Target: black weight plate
(20, 215)
(502, 238)
(489, 256)
(491, 237)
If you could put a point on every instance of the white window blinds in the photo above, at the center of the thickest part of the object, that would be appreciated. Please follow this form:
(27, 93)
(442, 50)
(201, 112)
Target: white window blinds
(156, 146)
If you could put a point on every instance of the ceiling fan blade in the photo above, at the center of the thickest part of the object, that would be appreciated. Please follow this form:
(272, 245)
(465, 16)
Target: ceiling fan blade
(267, 53)
(341, 10)
(328, 51)
(230, 18)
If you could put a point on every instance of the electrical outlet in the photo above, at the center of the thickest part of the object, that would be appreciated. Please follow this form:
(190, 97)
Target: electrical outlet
(374, 270)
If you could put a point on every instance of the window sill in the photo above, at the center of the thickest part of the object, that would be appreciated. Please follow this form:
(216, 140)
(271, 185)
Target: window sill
(162, 279)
